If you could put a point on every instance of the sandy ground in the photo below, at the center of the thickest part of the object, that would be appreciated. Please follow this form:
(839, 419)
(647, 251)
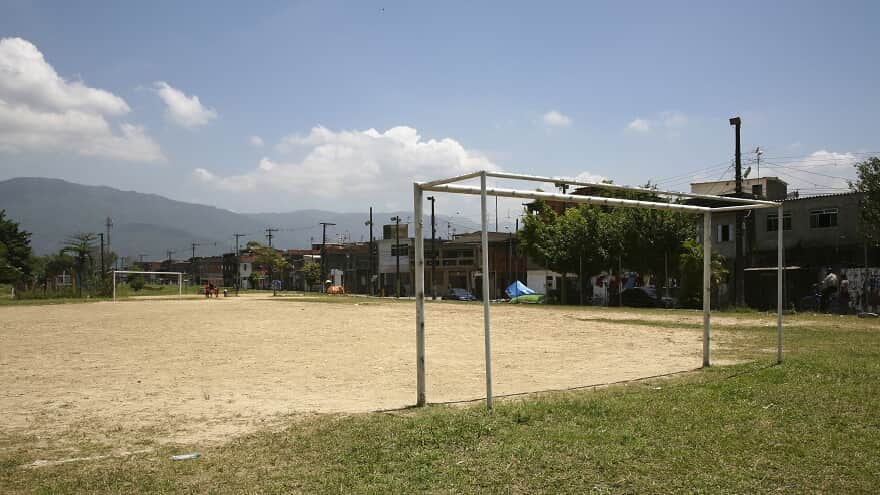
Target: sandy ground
(201, 370)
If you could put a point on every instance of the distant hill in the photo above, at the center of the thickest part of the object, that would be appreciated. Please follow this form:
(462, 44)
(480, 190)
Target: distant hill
(149, 224)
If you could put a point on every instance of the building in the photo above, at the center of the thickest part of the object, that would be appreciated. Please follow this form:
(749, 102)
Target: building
(819, 233)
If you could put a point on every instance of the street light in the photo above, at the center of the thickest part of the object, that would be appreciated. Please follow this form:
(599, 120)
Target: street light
(396, 219)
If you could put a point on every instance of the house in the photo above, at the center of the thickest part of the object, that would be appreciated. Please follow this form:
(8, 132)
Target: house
(819, 232)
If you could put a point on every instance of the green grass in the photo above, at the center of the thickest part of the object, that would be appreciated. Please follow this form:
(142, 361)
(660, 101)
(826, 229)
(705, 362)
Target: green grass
(810, 425)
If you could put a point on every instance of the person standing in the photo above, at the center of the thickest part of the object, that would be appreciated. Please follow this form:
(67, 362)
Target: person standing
(829, 287)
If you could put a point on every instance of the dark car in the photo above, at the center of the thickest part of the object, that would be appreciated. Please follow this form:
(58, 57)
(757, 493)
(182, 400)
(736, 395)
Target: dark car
(459, 295)
(644, 297)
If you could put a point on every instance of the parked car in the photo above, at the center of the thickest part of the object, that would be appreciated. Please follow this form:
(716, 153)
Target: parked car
(645, 297)
(459, 295)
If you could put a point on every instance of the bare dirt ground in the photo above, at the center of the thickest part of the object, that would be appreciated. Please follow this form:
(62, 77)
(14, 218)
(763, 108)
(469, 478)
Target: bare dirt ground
(199, 370)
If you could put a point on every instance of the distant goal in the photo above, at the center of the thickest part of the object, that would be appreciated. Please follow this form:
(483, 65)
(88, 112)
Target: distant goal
(150, 279)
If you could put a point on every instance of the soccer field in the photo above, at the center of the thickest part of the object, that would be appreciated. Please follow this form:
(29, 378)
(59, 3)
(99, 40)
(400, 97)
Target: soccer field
(200, 370)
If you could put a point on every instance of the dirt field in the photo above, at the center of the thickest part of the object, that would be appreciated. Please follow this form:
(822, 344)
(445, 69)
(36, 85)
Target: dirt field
(201, 370)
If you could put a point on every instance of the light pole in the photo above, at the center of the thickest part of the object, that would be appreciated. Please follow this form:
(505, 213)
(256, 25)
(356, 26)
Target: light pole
(433, 247)
(370, 223)
(396, 220)
(323, 253)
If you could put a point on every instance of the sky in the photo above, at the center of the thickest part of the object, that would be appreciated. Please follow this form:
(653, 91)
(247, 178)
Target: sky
(277, 106)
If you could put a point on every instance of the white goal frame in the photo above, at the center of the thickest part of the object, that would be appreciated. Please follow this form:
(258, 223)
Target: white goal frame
(448, 186)
(179, 280)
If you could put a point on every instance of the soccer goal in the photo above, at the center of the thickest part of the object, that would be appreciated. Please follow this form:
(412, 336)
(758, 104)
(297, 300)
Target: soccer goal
(152, 276)
(725, 204)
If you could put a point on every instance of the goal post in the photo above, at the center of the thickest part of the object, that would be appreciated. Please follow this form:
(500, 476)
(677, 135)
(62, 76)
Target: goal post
(448, 186)
(178, 274)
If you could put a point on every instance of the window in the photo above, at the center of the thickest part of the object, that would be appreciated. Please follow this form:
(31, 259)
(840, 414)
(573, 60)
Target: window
(758, 190)
(824, 217)
(773, 222)
(724, 233)
(403, 248)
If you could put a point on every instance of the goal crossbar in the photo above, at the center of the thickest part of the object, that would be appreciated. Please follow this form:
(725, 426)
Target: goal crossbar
(448, 185)
(179, 279)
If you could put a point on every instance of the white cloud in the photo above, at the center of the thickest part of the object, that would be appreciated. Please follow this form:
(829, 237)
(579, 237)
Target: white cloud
(256, 141)
(639, 125)
(671, 122)
(554, 118)
(41, 111)
(185, 111)
(355, 164)
(589, 177)
(820, 172)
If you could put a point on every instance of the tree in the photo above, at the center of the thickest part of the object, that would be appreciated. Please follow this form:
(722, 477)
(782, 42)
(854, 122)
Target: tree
(312, 273)
(691, 269)
(15, 252)
(868, 184)
(82, 247)
(270, 258)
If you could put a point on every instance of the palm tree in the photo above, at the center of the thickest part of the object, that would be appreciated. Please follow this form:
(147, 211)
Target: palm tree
(82, 247)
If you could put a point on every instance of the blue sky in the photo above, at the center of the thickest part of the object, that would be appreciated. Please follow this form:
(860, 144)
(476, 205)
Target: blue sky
(627, 91)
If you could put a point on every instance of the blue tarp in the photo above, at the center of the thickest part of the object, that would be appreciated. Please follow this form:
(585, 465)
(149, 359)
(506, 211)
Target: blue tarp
(518, 289)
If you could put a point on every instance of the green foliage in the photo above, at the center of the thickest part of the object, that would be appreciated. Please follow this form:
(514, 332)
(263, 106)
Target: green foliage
(312, 272)
(595, 237)
(690, 263)
(82, 248)
(136, 281)
(15, 251)
(869, 185)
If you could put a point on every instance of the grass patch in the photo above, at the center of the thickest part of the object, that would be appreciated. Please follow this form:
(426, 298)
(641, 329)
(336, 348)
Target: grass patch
(809, 425)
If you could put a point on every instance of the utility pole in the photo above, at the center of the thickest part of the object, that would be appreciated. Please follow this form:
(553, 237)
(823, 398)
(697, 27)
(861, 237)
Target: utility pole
(396, 219)
(324, 253)
(237, 262)
(516, 265)
(739, 283)
(269, 235)
(758, 153)
(370, 223)
(141, 258)
(193, 262)
(109, 225)
(432, 199)
(102, 254)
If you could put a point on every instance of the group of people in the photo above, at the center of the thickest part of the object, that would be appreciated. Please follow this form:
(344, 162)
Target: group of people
(212, 290)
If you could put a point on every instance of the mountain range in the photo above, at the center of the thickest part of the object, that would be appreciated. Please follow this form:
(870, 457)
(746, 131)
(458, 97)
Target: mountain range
(152, 225)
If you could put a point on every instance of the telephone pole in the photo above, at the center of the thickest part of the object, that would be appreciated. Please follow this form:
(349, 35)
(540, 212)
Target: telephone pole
(237, 262)
(324, 253)
(102, 254)
(193, 262)
(739, 283)
(109, 225)
(432, 199)
(370, 223)
(269, 235)
(396, 219)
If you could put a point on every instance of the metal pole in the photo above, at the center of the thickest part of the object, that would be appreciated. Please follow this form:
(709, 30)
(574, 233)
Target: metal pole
(397, 258)
(484, 220)
(779, 262)
(114, 285)
(372, 270)
(707, 283)
(179, 286)
(420, 296)
(433, 251)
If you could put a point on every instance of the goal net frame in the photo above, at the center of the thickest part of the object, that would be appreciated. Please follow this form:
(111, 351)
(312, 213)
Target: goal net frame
(179, 279)
(449, 186)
